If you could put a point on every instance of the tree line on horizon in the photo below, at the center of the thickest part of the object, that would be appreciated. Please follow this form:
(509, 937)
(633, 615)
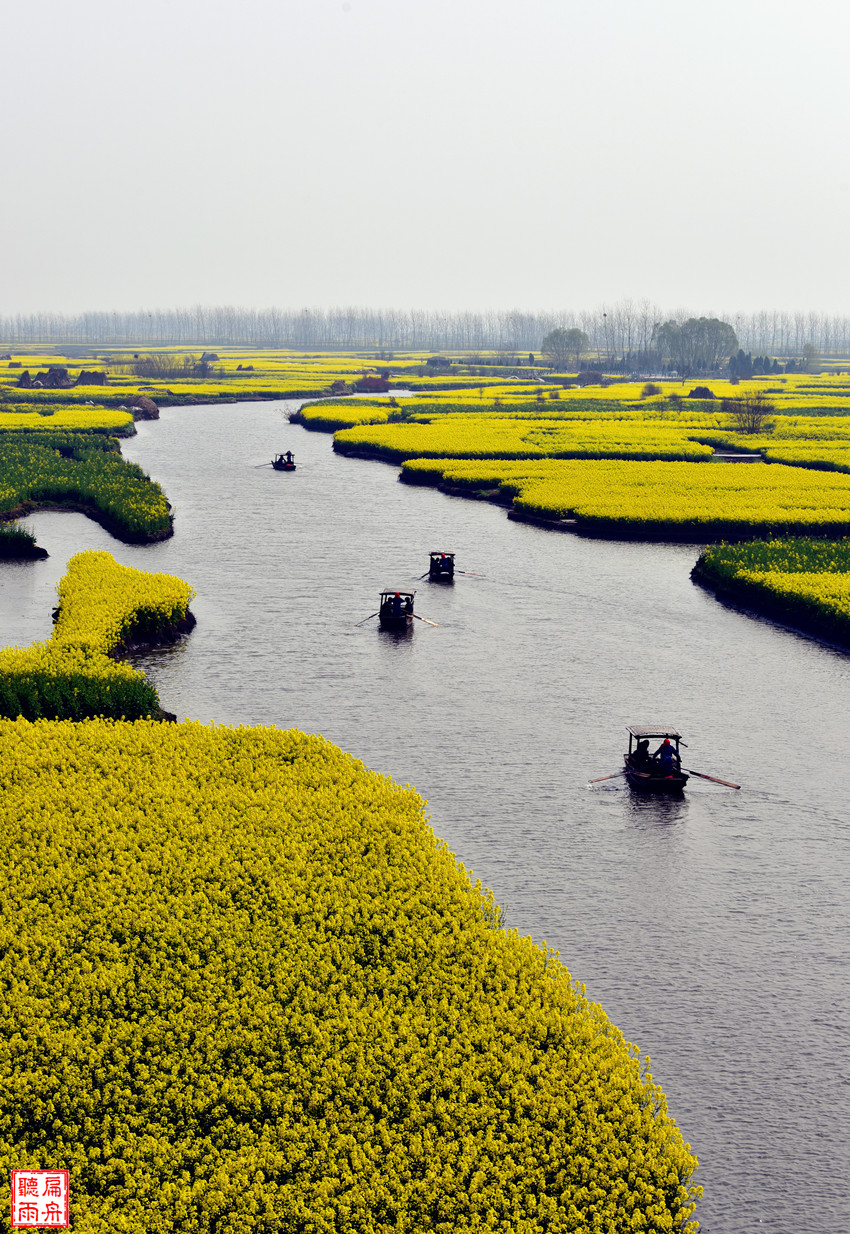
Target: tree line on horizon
(700, 345)
(625, 330)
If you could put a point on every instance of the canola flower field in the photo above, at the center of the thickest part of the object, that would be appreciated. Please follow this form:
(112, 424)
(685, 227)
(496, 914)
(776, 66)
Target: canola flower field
(243, 987)
(265, 372)
(463, 436)
(47, 415)
(329, 415)
(804, 583)
(234, 373)
(567, 430)
(84, 471)
(798, 393)
(819, 442)
(660, 500)
(103, 608)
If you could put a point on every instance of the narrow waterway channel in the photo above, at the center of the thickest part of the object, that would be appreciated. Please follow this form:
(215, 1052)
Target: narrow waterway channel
(712, 929)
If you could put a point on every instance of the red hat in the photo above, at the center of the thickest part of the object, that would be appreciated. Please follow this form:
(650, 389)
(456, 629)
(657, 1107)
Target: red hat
(666, 741)
(398, 593)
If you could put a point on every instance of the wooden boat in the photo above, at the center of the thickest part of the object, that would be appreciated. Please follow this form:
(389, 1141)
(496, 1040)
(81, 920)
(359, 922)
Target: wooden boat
(442, 568)
(649, 771)
(395, 611)
(284, 462)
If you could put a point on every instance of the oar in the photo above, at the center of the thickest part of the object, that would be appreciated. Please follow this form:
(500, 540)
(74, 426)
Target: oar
(471, 573)
(425, 619)
(714, 779)
(613, 777)
(365, 619)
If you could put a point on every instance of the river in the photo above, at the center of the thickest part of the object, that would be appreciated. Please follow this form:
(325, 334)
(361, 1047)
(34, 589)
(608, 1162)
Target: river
(712, 929)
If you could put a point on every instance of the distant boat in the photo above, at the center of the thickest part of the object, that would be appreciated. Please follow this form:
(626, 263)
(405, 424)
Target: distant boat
(442, 568)
(396, 609)
(657, 771)
(284, 462)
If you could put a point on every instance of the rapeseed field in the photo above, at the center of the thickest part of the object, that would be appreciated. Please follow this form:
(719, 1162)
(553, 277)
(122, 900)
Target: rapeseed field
(803, 582)
(81, 470)
(103, 607)
(245, 988)
(460, 436)
(656, 499)
(68, 416)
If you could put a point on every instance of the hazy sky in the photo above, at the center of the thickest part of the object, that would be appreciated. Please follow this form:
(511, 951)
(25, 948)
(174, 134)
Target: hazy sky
(466, 154)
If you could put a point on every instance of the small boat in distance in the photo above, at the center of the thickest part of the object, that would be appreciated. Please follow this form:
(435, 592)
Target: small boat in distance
(396, 609)
(441, 568)
(654, 771)
(284, 462)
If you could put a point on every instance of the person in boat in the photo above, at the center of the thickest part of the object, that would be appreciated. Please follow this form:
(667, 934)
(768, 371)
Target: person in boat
(397, 605)
(666, 758)
(641, 758)
(288, 457)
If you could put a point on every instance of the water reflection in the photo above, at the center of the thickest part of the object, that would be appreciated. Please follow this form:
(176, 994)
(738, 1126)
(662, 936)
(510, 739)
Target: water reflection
(657, 808)
(401, 635)
(153, 660)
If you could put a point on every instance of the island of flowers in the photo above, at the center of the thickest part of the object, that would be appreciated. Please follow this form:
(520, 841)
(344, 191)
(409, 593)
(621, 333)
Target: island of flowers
(80, 471)
(103, 608)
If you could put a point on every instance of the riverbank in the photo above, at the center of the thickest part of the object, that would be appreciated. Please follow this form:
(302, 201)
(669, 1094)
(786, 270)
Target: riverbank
(593, 498)
(760, 607)
(86, 473)
(498, 497)
(164, 636)
(108, 522)
(35, 553)
(802, 585)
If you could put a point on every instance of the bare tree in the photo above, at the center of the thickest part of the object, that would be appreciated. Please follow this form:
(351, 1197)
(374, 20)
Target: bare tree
(750, 413)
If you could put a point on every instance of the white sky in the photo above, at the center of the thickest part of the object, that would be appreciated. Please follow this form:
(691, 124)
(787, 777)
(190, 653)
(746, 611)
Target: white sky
(469, 154)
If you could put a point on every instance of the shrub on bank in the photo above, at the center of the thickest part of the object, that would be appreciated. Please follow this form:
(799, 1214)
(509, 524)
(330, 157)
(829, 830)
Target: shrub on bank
(16, 542)
(247, 989)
